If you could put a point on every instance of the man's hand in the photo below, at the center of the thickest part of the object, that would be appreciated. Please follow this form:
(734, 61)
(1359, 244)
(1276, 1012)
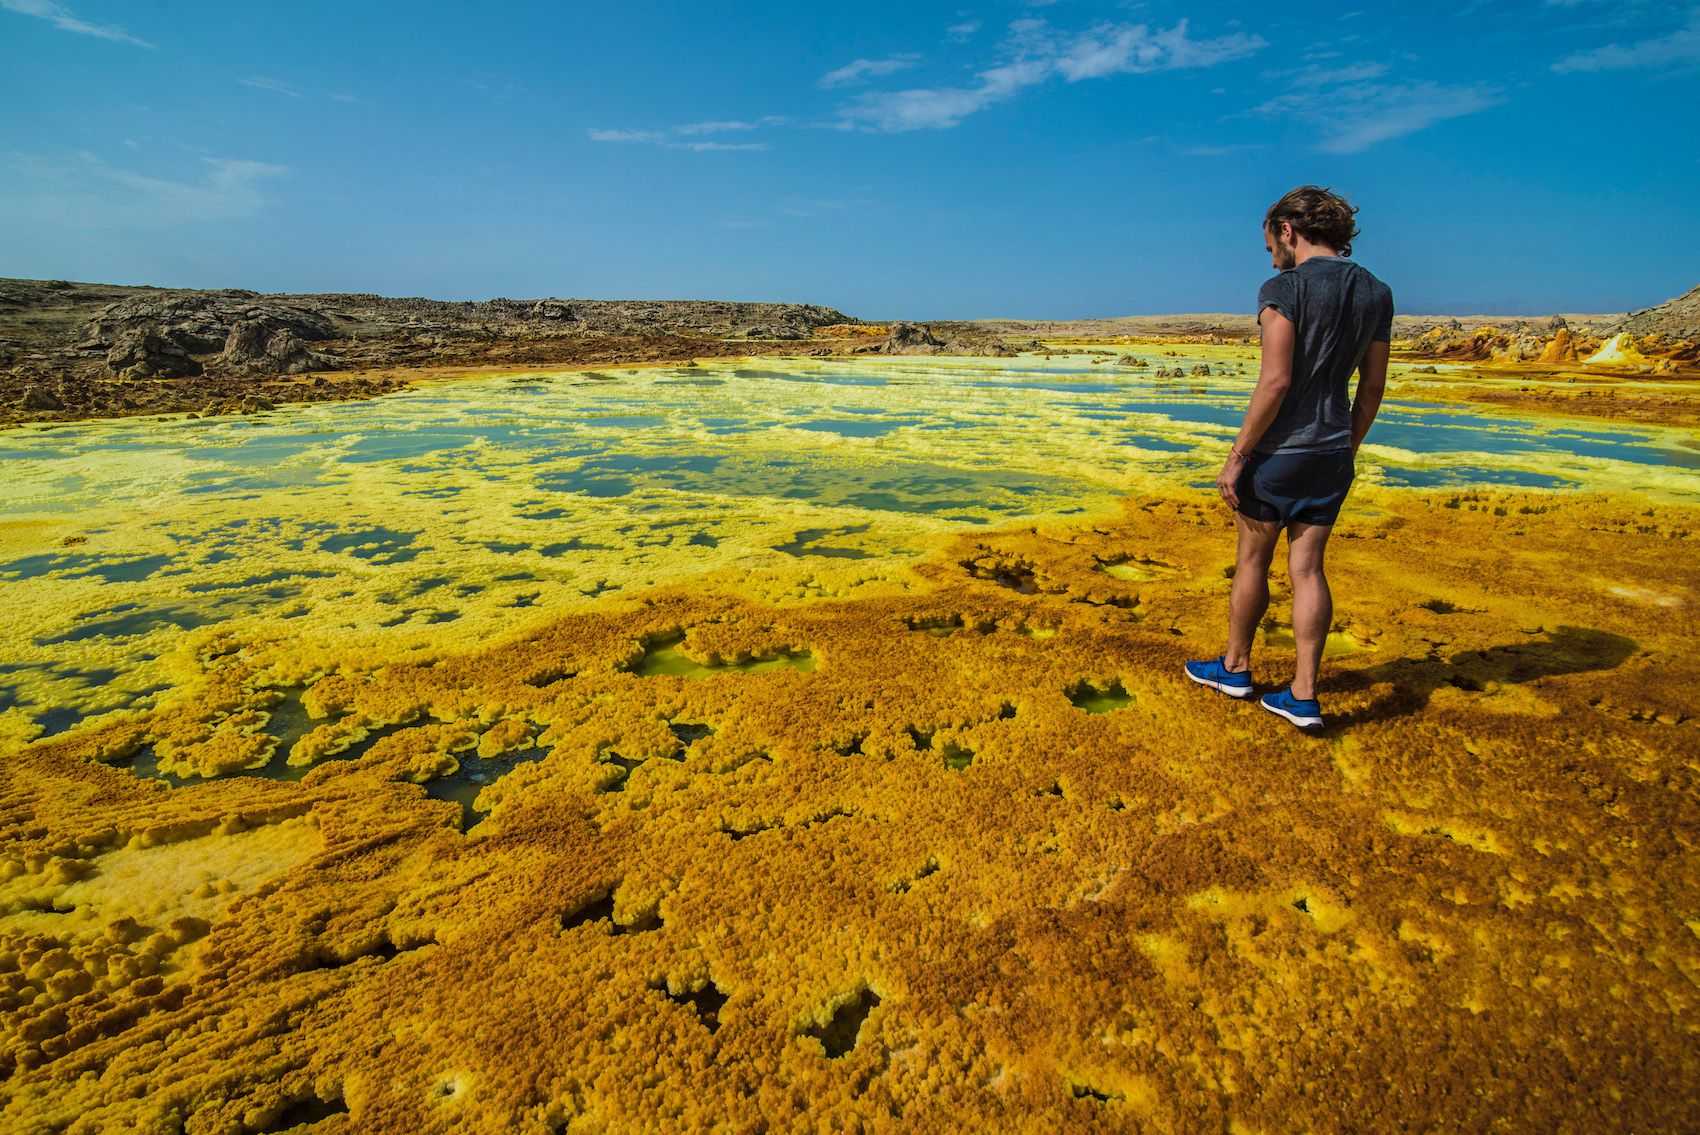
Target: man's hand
(1230, 477)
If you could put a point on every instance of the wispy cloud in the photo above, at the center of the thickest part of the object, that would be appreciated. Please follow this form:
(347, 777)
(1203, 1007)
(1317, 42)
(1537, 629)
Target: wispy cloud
(1318, 76)
(275, 86)
(83, 191)
(62, 18)
(1035, 54)
(672, 139)
(861, 70)
(1674, 48)
(729, 126)
(1121, 49)
(1353, 116)
(627, 136)
(1223, 151)
(720, 147)
(963, 32)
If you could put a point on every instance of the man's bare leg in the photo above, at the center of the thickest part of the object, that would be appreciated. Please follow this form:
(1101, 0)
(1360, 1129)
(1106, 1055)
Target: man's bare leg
(1313, 603)
(1250, 596)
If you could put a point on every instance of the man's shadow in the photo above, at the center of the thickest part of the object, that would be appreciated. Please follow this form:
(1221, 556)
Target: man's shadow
(1567, 650)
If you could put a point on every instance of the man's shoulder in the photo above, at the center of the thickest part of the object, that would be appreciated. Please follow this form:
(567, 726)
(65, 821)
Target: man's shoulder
(1279, 281)
(1376, 282)
(1383, 293)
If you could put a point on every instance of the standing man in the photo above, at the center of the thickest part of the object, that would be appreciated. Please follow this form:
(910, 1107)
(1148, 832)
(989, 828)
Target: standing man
(1323, 317)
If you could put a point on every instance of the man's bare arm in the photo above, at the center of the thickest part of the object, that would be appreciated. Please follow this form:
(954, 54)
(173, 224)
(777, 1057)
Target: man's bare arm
(1372, 382)
(1274, 377)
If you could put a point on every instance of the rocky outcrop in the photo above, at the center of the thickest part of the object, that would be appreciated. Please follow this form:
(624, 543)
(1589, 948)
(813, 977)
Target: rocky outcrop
(938, 339)
(552, 309)
(143, 353)
(40, 398)
(148, 337)
(1677, 318)
(715, 318)
(911, 339)
(261, 346)
(1561, 348)
(1487, 343)
(1655, 353)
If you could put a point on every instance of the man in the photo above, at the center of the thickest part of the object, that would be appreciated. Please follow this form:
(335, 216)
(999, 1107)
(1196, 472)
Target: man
(1323, 317)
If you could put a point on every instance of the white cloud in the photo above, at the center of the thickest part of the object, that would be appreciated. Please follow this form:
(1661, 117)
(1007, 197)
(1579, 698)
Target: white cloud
(1315, 76)
(275, 86)
(1671, 49)
(60, 17)
(963, 32)
(860, 70)
(1222, 151)
(1134, 49)
(85, 192)
(665, 139)
(728, 126)
(626, 135)
(719, 147)
(1355, 116)
(670, 138)
(1037, 55)
(938, 108)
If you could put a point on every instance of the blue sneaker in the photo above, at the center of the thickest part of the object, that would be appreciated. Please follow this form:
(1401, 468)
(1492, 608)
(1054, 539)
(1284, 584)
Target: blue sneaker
(1306, 715)
(1211, 672)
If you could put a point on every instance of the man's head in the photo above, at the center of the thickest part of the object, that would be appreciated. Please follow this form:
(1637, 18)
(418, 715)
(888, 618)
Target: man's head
(1309, 215)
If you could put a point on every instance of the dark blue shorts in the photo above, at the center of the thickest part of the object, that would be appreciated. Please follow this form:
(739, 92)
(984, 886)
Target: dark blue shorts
(1287, 487)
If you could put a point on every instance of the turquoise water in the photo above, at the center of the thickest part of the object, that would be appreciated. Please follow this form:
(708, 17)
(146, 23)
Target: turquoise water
(438, 512)
(987, 439)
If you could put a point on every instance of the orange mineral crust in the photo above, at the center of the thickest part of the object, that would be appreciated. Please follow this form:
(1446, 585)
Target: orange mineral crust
(964, 853)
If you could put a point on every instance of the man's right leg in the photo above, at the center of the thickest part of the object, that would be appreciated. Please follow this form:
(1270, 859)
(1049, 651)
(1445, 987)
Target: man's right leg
(1313, 603)
(1250, 597)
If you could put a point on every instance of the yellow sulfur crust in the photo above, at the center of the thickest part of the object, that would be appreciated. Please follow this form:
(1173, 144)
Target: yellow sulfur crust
(946, 844)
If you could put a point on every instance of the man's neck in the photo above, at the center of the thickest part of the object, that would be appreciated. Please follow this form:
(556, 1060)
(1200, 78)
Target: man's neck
(1303, 250)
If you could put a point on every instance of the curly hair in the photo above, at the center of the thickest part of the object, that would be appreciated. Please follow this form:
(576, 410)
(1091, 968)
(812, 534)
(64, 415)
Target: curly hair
(1317, 215)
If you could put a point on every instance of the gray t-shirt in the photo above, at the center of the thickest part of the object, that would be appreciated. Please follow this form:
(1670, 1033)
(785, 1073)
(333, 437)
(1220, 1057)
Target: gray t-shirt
(1338, 309)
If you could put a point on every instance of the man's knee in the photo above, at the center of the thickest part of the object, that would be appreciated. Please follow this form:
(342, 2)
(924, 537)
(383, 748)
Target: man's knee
(1306, 570)
(1256, 558)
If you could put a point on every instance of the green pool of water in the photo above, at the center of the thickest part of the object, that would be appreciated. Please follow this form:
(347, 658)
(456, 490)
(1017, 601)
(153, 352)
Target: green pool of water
(436, 516)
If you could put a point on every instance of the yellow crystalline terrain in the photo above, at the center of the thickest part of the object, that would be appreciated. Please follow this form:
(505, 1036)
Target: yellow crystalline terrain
(934, 837)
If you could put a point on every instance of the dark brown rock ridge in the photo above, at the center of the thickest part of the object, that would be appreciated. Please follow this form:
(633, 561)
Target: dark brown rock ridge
(1677, 318)
(938, 339)
(96, 350)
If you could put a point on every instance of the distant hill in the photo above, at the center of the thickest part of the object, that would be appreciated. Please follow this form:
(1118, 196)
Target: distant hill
(1679, 318)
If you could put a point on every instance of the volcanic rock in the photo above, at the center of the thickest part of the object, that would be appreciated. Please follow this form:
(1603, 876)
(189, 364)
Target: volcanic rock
(141, 353)
(1679, 318)
(261, 345)
(911, 339)
(40, 398)
(552, 309)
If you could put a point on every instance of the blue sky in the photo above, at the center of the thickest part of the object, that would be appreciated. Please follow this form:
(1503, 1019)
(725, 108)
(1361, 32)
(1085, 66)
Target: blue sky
(923, 159)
